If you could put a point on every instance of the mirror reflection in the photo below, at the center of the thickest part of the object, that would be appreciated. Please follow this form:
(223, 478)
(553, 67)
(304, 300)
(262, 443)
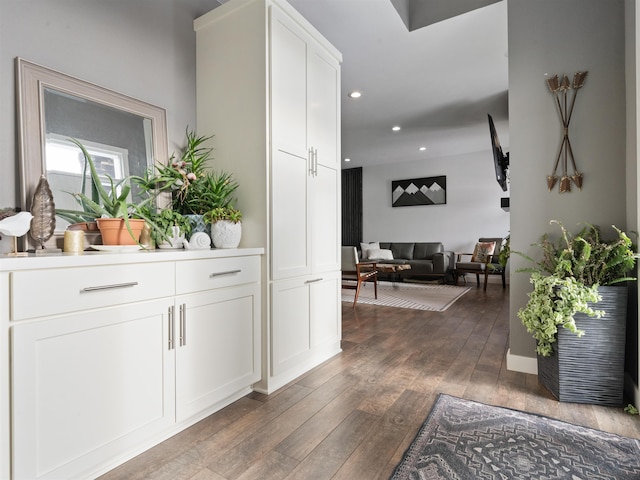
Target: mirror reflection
(125, 136)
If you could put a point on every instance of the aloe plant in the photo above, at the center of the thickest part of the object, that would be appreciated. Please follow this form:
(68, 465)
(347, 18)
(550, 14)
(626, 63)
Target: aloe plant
(106, 204)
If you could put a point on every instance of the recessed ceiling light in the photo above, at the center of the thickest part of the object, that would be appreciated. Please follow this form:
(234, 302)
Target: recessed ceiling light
(355, 94)
(422, 149)
(347, 159)
(396, 128)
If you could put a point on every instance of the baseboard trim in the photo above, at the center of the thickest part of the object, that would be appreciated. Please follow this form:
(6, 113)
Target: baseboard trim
(518, 363)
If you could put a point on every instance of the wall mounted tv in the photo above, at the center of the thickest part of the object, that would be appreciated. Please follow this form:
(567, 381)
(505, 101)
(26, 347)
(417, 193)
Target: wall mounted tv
(500, 159)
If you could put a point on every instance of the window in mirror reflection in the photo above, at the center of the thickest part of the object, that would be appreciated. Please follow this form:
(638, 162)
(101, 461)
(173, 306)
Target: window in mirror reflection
(66, 164)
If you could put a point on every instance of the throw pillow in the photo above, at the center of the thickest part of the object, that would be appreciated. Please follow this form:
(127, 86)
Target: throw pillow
(482, 251)
(367, 247)
(380, 254)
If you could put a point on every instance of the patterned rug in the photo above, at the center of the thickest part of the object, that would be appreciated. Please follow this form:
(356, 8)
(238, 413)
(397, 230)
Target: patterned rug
(433, 297)
(462, 439)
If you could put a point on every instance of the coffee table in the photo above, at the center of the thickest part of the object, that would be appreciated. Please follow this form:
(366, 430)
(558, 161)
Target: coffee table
(393, 269)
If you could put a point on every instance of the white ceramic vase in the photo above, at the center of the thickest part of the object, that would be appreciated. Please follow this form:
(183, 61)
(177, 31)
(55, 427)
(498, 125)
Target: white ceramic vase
(226, 234)
(173, 241)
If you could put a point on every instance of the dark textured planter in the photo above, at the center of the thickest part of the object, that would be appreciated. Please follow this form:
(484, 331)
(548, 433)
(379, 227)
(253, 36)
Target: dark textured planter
(590, 369)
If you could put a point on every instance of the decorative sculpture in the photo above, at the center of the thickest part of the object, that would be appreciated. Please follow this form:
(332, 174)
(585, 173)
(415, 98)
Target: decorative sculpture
(558, 88)
(43, 210)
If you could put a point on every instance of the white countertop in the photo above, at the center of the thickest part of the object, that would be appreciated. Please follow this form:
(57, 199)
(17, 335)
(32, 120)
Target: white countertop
(91, 258)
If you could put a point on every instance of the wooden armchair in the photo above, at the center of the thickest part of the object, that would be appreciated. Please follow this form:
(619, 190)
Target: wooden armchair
(483, 261)
(354, 271)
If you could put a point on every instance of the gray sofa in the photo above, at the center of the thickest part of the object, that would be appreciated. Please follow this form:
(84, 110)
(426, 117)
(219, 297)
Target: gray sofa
(427, 260)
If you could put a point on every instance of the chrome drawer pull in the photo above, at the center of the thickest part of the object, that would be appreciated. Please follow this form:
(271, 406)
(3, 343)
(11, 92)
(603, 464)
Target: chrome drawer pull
(314, 280)
(109, 287)
(229, 272)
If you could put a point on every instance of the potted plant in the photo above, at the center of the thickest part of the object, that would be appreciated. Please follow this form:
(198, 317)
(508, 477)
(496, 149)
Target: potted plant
(192, 188)
(226, 226)
(173, 227)
(574, 296)
(120, 221)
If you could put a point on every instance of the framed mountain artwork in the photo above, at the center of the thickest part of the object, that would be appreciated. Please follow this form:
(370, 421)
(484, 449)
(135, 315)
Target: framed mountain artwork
(419, 191)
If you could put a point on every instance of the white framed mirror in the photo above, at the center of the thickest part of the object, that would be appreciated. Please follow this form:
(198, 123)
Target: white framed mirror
(126, 136)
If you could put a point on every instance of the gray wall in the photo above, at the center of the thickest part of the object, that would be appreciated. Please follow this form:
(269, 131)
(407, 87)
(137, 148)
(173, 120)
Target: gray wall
(551, 36)
(141, 48)
(472, 209)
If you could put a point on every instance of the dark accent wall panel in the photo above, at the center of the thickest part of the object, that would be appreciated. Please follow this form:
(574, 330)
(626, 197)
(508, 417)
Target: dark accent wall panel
(352, 206)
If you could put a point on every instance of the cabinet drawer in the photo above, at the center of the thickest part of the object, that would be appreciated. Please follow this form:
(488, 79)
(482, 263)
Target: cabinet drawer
(63, 290)
(199, 275)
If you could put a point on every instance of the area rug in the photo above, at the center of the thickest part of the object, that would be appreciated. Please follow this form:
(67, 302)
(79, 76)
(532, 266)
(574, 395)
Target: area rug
(462, 439)
(436, 298)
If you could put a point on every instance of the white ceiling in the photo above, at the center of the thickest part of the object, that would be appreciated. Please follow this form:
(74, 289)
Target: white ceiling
(437, 82)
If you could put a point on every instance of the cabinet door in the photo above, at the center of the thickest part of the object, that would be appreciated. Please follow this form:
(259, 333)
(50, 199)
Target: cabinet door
(290, 330)
(324, 218)
(218, 346)
(288, 84)
(326, 325)
(323, 107)
(306, 326)
(89, 386)
(290, 230)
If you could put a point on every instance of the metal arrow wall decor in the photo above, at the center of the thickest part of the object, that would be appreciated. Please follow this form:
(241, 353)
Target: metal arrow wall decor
(560, 88)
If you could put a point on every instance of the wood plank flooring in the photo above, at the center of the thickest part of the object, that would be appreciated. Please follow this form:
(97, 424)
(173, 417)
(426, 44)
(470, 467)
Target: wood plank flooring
(353, 416)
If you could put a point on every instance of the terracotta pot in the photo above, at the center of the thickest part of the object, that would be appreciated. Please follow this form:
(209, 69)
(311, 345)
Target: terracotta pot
(84, 226)
(114, 231)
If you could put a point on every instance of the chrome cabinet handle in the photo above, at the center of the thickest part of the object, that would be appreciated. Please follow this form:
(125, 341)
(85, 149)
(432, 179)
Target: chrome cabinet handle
(314, 280)
(310, 158)
(171, 316)
(183, 324)
(315, 162)
(228, 272)
(109, 287)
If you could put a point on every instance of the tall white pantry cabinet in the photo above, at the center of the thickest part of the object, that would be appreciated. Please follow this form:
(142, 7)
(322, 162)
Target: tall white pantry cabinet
(268, 89)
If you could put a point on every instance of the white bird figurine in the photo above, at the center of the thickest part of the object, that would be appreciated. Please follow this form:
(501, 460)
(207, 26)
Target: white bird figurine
(16, 225)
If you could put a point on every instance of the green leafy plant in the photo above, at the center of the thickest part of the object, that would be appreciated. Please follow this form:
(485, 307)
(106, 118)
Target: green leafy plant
(223, 213)
(192, 187)
(567, 278)
(505, 252)
(631, 409)
(553, 303)
(165, 220)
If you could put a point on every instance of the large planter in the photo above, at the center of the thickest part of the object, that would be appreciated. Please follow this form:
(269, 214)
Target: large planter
(226, 234)
(114, 231)
(590, 369)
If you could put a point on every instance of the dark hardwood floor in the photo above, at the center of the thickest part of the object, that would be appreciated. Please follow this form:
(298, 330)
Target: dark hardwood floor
(353, 416)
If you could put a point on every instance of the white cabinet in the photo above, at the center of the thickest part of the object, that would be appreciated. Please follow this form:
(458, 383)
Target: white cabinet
(217, 346)
(304, 217)
(290, 205)
(87, 384)
(111, 354)
(305, 103)
(306, 322)
(268, 87)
